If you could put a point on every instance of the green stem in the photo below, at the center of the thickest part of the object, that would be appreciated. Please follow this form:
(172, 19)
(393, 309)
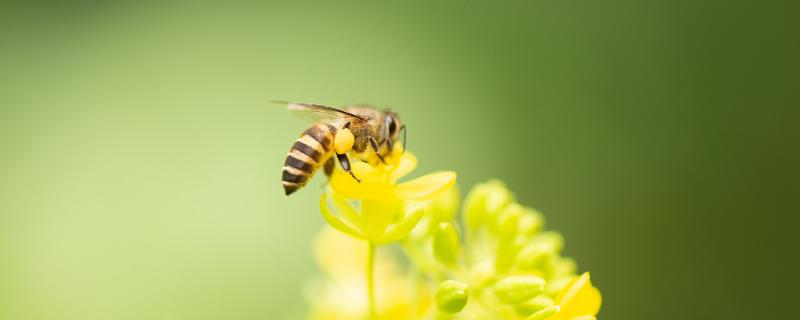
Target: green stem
(371, 279)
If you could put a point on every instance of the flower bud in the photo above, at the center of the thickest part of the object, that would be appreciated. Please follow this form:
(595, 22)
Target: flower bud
(452, 296)
(531, 222)
(564, 266)
(485, 199)
(444, 206)
(516, 289)
(446, 247)
(508, 220)
(535, 304)
(475, 207)
(498, 196)
(554, 286)
(534, 256)
(507, 250)
(550, 238)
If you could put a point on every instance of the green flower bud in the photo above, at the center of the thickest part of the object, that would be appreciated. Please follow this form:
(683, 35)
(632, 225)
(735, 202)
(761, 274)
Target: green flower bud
(535, 304)
(485, 199)
(531, 222)
(550, 238)
(498, 196)
(507, 251)
(564, 266)
(475, 207)
(446, 245)
(544, 313)
(534, 256)
(516, 289)
(444, 207)
(452, 296)
(555, 286)
(508, 220)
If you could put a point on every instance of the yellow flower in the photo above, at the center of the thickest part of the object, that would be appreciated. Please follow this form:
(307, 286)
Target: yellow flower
(498, 263)
(387, 210)
(380, 182)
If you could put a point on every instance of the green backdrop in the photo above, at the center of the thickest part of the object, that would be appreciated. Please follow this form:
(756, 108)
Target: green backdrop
(140, 162)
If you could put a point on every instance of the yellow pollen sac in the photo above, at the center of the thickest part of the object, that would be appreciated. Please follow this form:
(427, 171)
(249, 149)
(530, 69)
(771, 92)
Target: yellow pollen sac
(343, 141)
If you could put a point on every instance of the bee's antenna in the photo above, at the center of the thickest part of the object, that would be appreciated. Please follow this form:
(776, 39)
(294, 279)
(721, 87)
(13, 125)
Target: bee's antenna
(403, 128)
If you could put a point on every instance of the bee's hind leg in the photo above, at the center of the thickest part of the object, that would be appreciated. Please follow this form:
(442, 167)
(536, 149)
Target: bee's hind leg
(345, 163)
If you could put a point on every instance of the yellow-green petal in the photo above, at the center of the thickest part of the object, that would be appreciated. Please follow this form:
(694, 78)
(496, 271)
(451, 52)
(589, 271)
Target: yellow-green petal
(400, 230)
(427, 186)
(334, 221)
(346, 211)
(378, 215)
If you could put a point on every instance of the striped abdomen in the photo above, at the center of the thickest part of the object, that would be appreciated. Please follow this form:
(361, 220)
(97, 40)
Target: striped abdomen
(308, 153)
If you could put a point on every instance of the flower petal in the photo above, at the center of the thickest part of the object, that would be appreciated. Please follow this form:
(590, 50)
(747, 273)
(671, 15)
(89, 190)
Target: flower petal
(402, 229)
(373, 185)
(427, 186)
(378, 215)
(578, 299)
(406, 164)
(334, 221)
(544, 313)
(347, 212)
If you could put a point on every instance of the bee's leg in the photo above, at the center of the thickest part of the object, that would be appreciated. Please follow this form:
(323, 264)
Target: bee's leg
(377, 148)
(389, 146)
(345, 163)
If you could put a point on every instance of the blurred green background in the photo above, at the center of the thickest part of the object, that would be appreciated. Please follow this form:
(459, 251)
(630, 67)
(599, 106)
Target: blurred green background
(140, 162)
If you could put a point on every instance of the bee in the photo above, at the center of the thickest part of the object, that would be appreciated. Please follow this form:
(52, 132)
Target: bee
(337, 132)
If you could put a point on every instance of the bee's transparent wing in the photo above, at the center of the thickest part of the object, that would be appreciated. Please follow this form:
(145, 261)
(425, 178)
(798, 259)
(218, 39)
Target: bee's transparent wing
(312, 112)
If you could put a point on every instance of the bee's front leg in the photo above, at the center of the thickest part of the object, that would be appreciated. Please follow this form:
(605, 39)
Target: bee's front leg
(377, 148)
(345, 163)
(389, 146)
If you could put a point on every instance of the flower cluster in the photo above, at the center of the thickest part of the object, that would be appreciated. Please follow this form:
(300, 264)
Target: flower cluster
(501, 263)
(493, 261)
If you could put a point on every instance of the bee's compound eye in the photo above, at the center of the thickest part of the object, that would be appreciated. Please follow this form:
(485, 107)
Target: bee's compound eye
(343, 141)
(392, 126)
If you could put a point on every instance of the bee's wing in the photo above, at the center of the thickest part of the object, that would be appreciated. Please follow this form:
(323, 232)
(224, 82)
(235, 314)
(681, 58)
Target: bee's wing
(316, 112)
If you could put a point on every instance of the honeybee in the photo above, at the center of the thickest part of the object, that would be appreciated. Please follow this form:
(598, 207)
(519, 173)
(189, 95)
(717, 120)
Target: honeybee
(337, 132)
